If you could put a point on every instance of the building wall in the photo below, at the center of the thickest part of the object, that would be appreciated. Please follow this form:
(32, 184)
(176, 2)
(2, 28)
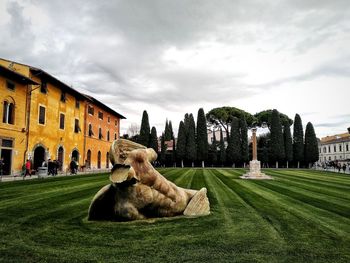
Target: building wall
(15, 132)
(49, 138)
(49, 135)
(332, 151)
(94, 144)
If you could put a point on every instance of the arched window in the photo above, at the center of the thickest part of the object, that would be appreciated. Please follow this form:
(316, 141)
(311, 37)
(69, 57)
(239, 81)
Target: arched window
(107, 160)
(88, 159)
(100, 136)
(99, 160)
(8, 115)
(107, 135)
(90, 130)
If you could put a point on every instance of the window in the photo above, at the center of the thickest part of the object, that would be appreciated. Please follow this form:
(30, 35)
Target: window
(7, 143)
(116, 123)
(8, 113)
(43, 87)
(324, 149)
(115, 136)
(63, 96)
(91, 110)
(347, 147)
(100, 115)
(10, 85)
(76, 126)
(90, 130)
(107, 160)
(100, 133)
(335, 148)
(329, 149)
(42, 114)
(339, 148)
(61, 121)
(107, 135)
(77, 103)
(109, 119)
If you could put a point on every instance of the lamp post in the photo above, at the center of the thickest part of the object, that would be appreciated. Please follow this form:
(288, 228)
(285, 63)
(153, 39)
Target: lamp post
(254, 164)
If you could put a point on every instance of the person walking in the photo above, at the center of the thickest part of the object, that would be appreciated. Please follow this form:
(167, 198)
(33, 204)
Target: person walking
(28, 168)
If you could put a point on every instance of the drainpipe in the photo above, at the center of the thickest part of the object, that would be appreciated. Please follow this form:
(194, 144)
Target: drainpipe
(28, 108)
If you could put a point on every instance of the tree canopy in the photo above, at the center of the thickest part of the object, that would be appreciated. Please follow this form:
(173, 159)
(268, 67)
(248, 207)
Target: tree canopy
(223, 117)
(266, 115)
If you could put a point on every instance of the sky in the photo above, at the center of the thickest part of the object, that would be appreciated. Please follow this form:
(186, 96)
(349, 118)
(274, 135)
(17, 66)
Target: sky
(174, 57)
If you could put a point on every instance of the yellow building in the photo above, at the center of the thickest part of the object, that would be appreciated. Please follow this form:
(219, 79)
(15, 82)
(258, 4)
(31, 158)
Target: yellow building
(14, 88)
(57, 121)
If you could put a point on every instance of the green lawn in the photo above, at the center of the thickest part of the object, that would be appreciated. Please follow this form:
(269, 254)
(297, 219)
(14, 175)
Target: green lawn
(301, 216)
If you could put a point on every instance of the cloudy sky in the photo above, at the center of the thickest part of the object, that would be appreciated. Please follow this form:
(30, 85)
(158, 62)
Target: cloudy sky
(172, 57)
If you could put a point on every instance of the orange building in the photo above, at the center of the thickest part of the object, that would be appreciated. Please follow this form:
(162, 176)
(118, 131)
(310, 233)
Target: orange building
(14, 89)
(102, 126)
(58, 121)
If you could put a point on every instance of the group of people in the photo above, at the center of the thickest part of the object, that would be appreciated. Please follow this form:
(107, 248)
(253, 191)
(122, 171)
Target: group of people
(336, 166)
(52, 167)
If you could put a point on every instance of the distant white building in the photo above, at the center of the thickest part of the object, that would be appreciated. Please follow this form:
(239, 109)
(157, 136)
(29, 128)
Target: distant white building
(335, 148)
(217, 136)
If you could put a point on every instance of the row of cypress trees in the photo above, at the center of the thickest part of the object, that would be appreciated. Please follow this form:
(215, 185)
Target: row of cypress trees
(282, 147)
(192, 142)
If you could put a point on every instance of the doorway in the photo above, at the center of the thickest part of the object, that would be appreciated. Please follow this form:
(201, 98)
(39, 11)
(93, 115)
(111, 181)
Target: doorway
(39, 157)
(7, 155)
(60, 154)
(75, 155)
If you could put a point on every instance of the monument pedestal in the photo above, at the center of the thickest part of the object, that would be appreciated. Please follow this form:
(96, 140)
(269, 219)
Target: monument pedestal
(255, 172)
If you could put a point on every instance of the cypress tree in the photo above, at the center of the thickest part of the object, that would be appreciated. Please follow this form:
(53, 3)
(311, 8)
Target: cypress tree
(233, 151)
(170, 127)
(154, 140)
(311, 145)
(181, 143)
(244, 140)
(276, 142)
(191, 140)
(162, 149)
(222, 153)
(288, 143)
(167, 132)
(202, 137)
(298, 140)
(213, 152)
(263, 146)
(144, 137)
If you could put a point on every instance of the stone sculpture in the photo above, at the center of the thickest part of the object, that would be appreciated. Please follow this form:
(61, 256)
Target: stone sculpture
(138, 191)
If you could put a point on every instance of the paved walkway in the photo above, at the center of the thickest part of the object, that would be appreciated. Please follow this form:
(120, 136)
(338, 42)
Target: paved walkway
(8, 178)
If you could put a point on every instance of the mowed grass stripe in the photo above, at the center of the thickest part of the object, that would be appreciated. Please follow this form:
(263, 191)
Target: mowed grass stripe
(39, 200)
(326, 220)
(294, 227)
(312, 187)
(322, 178)
(338, 207)
(44, 186)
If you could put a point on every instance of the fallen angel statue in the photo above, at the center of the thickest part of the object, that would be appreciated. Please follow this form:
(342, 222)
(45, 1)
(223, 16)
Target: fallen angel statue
(138, 191)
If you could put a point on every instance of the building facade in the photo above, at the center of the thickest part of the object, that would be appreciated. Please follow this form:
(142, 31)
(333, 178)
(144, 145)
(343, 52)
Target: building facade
(57, 122)
(14, 88)
(102, 126)
(335, 148)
